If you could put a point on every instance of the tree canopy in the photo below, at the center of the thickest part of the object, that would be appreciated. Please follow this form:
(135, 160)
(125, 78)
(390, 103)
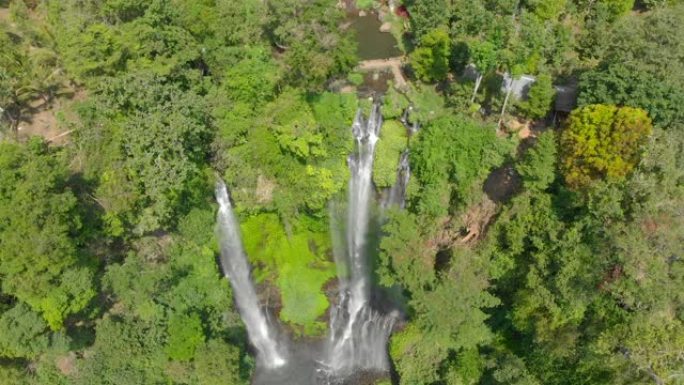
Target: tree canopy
(602, 142)
(538, 243)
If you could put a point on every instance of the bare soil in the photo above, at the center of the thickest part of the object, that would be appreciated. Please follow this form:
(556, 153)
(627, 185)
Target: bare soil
(40, 119)
(264, 190)
(4, 14)
(467, 228)
(43, 123)
(66, 364)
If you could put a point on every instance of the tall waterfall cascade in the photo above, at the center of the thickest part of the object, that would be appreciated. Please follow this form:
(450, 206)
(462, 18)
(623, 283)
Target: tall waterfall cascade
(236, 268)
(359, 333)
(395, 196)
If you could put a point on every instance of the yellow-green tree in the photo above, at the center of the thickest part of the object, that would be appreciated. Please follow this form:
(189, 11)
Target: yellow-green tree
(602, 142)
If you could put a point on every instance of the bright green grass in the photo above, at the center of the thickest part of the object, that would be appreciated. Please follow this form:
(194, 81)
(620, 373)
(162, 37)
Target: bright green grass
(297, 264)
(392, 142)
(364, 4)
(428, 103)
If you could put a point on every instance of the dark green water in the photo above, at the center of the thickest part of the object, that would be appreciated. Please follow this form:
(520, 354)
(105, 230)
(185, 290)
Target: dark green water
(373, 44)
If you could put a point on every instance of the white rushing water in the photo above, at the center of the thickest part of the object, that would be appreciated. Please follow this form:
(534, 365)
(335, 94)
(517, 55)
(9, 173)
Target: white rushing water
(236, 268)
(358, 333)
(395, 196)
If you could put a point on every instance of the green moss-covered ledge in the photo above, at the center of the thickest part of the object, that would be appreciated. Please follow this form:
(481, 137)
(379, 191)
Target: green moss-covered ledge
(296, 264)
(393, 141)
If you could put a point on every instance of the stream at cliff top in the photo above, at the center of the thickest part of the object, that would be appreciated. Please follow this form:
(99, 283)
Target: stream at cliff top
(355, 349)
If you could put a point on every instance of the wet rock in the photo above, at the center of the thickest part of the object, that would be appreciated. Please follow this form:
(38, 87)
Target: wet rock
(386, 27)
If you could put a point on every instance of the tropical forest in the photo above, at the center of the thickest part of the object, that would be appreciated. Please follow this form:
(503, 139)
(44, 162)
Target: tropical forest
(341, 192)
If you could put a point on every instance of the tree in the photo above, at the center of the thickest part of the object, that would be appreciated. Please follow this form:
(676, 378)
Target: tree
(185, 336)
(24, 333)
(641, 67)
(315, 48)
(294, 126)
(218, 363)
(602, 142)
(126, 351)
(538, 165)
(539, 99)
(451, 153)
(483, 54)
(15, 78)
(241, 22)
(145, 143)
(546, 9)
(388, 150)
(252, 80)
(426, 16)
(39, 258)
(617, 7)
(99, 50)
(616, 83)
(431, 59)
(403, 258)
(448, 321)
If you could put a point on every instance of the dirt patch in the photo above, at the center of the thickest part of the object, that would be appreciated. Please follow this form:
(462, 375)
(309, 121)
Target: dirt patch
(476, 220)
(42, 123)
(524, 128)
(41, 119)
(465, 229)
(521, 127)
(66, 364)
(5, 15)
(264, 190)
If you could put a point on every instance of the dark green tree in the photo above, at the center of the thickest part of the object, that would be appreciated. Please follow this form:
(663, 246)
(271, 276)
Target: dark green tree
(540, 98)
(40, 260)
(431, 59)
(538, 165)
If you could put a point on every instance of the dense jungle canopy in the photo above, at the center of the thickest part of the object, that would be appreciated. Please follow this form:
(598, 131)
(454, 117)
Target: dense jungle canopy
(542, 236)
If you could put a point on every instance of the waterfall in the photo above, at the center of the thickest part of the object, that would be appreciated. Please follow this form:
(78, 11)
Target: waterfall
(396, 195)
(358, 333)
(236, 268)
(405, 120)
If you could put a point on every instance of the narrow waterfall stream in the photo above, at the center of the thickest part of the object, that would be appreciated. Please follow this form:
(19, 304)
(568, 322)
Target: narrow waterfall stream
(395, 196)
(236, 268)
(358, 333)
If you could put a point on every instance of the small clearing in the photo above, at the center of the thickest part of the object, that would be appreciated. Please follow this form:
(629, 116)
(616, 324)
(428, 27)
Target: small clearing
(41, 119)
(4, 15)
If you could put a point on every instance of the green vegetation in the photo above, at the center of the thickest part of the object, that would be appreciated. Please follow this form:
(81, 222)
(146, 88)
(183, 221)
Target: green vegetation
(298, 265)
(107, 260)
(431, 60)
(538, 166)
(451, 154)
(108, 253)
(388, 150)
(40, 260)
(540, 98)
(602, 142)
